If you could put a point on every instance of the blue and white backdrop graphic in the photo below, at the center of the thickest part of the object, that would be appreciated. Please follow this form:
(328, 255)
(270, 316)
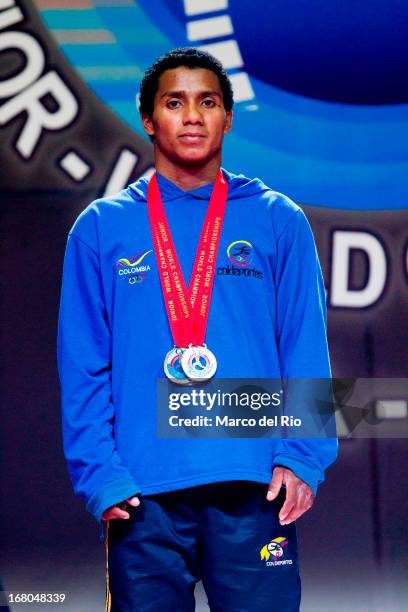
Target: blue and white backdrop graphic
(321, 114)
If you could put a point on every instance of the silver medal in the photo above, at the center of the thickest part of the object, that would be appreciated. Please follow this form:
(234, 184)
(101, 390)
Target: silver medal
(173, 368)
(199, 363)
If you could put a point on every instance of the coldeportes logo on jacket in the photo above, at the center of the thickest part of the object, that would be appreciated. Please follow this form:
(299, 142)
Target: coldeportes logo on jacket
(241, 254)
(134, 268)
(275, 550)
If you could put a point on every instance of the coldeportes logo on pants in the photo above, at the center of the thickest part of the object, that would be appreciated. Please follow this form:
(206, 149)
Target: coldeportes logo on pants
(275, 550)
(132, 267)
(240, 252)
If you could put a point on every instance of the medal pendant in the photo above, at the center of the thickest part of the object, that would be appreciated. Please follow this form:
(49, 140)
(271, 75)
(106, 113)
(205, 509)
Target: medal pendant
(172, 366)
(199, 363)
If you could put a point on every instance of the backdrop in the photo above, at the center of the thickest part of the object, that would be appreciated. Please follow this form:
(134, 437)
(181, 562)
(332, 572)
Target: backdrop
(321, 114)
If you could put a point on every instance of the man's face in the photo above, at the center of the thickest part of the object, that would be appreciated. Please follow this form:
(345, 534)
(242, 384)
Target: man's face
(189, 119)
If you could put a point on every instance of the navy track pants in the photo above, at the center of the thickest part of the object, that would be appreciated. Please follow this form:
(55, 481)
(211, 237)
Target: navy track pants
(226, 534)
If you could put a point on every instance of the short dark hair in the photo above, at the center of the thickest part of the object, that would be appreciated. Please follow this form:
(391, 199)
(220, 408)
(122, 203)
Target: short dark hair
(184, 56)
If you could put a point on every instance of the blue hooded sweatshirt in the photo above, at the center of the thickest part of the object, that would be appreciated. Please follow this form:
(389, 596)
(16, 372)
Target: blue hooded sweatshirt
(267, 320)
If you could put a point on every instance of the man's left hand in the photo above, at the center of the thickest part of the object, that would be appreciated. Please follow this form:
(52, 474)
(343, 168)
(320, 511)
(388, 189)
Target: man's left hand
(299, 496)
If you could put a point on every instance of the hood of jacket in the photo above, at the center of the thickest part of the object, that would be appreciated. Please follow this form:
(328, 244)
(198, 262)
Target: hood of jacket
(239, 186)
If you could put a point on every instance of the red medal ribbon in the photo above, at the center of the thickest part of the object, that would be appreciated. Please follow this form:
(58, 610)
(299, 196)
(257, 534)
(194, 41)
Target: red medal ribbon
(187, 309)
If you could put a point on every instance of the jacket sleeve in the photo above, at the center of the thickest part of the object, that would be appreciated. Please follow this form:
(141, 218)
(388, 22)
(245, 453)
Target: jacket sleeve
(84, 363)
(302, 340)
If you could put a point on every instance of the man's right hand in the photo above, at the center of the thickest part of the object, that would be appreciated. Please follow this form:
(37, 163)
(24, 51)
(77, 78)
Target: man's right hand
(117, 512)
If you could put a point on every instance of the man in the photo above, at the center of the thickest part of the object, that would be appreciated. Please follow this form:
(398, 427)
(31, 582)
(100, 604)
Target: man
(222, 510)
